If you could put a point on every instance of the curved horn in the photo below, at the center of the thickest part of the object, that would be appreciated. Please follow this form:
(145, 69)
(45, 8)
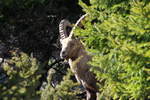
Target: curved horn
(62, 28)
(77, 24)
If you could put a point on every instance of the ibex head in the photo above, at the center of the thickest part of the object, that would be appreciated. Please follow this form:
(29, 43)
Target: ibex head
(69, 48)
(70, 45)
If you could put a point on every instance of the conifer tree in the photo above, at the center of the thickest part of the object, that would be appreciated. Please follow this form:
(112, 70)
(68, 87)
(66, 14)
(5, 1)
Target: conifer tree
(23, 74)
(118, 33)
(65, 90)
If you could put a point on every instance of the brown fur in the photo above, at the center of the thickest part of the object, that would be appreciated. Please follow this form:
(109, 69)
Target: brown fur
(74, 52)
(78, 58)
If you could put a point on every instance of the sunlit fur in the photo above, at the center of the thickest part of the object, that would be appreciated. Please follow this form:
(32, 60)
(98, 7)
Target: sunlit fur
(73, 51)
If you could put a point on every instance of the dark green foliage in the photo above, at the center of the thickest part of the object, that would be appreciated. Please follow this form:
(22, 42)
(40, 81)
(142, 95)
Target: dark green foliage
(22, 4)
(32, 27)
(23, 74)
(66, 90)
(118, 32)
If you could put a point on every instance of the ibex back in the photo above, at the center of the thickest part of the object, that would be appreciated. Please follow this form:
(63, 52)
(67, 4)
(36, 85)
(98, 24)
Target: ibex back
(74, 52)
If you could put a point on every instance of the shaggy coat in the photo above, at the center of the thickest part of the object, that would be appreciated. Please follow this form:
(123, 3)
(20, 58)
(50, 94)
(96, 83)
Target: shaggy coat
(74, 52)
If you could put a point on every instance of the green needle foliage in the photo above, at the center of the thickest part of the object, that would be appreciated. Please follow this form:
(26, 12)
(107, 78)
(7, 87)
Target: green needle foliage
(118, 33)
(23, 78)
(66, 90)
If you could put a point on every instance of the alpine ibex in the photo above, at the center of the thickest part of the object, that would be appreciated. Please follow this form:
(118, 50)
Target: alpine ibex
(74, 52)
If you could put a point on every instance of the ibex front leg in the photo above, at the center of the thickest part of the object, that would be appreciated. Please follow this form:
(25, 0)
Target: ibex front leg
(91, 95)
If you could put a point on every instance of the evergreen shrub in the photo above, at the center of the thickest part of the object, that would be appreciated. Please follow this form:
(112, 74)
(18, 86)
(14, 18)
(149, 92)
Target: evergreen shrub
(118, 34)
